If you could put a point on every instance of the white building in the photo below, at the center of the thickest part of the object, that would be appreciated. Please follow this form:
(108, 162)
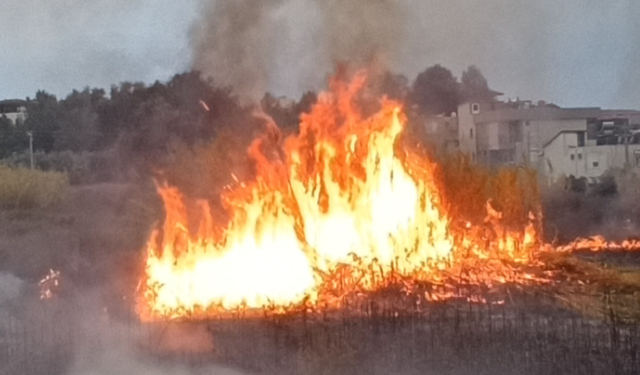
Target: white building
(571, 153)
(14, 109)
(546, 136)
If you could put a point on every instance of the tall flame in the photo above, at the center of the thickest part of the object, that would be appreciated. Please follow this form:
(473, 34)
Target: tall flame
(343, 193)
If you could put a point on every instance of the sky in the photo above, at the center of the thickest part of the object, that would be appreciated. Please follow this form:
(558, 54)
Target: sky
(570, 52)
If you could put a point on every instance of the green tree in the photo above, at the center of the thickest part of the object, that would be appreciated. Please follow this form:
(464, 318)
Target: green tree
(474, 85)
(436, 91)
(44, 116)
(13, 137)
(78, 129)
(394, 86)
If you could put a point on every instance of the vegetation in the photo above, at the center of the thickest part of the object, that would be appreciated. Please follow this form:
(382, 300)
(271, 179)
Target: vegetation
(468, 187)
(26, 188)
(144, 123)
(610, 207)
(601, 285)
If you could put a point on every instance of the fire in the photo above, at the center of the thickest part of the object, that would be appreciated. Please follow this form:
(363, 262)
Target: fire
(599, 243)
(341, 207)
(49, 284)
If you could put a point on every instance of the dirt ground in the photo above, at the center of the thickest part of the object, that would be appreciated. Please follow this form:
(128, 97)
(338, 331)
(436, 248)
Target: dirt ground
(95, 235)
(95, 239)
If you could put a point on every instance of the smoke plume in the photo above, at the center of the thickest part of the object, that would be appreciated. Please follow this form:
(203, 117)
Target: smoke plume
(237, 42)
(361, 31)
(232, 44)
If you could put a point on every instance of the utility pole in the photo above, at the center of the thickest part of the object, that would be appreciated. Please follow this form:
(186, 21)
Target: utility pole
(626, 144)
(30, 134)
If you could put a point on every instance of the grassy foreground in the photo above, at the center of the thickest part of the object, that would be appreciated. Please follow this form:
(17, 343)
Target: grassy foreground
(27, 188)
(599, 288)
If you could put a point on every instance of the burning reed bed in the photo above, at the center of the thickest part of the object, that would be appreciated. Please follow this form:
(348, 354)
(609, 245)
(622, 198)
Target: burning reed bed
(528, 334)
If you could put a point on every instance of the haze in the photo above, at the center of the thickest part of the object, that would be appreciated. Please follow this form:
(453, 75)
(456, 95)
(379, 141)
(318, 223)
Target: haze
(570, 52)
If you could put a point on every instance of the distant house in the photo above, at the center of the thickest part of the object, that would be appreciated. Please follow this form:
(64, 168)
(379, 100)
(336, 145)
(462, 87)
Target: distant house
(547, 137)
(14, 109)
(607, 142)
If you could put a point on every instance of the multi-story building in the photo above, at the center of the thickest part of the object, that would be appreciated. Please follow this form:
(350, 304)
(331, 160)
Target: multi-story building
(610, 141)
(547, 137)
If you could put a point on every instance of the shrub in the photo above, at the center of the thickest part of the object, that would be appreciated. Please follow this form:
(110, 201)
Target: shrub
(26, 188)
(609, 206)
(467, 187)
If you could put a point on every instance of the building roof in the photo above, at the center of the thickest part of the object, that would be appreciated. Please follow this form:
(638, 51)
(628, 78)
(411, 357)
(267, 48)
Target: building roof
(560, 133)
(490, 96)
(611, 114)
(13, 102)
(545, 113)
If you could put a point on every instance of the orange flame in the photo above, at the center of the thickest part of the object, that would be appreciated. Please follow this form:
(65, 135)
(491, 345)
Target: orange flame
(343, 199)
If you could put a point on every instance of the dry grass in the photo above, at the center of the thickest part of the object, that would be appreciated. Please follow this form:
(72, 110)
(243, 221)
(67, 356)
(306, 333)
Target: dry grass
(26, 188)
(598, 290)
(467, 187)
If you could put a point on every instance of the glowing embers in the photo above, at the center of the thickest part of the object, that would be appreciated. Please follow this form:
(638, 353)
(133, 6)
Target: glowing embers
(49, 284)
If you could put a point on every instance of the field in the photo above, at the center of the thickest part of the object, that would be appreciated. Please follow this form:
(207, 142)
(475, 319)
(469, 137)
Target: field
(26, 188)
(530, 335)
(94, 237)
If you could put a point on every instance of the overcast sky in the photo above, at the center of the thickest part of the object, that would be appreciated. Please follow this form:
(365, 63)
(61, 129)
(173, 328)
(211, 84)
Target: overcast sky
(571, 52)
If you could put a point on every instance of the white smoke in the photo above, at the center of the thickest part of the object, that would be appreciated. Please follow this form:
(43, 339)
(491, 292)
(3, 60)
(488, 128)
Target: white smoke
(114, 361)
(10, 287)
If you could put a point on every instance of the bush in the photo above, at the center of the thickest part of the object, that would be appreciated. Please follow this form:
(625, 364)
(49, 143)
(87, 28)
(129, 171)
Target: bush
(26, 188)
(467, 187)
(609, 207)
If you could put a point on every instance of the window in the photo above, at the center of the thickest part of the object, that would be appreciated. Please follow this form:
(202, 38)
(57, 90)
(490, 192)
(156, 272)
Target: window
(573, 157)
(471, 133)
(475, 108)
(595, 164)
(580, 139)
(579, 156)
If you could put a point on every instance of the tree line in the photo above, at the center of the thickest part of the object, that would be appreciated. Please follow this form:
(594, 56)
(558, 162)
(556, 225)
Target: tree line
(146, 121)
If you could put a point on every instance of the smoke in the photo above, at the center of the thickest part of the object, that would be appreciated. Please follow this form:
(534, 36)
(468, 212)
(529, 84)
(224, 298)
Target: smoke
(233, 44)
(116, 362)
(572, 52)
(243, 43)
(114, 354)
(361, 31)
(10, 287)
(562, 52)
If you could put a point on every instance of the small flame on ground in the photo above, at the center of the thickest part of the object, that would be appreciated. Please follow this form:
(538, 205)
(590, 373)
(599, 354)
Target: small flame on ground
(49, 284)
